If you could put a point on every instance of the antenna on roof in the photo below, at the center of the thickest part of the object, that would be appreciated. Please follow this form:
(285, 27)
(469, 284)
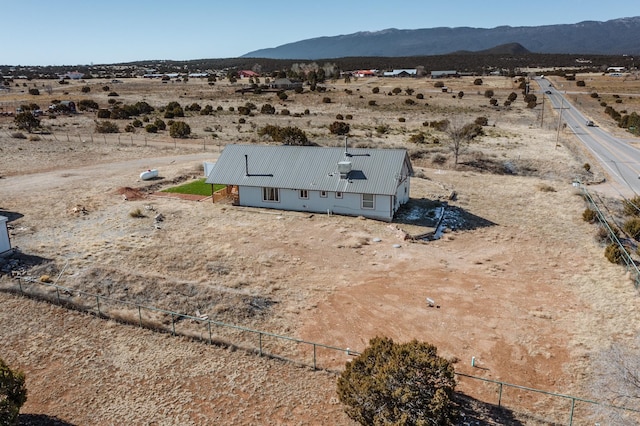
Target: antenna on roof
(246, 165)
(346, 147)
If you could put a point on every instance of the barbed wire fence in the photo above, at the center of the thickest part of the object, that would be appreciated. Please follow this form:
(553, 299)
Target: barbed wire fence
(537, 405)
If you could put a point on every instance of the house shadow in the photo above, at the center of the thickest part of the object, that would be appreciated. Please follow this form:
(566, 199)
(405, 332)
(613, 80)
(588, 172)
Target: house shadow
(475, 412)
(10, 215)
(41, 420)
(423, 218)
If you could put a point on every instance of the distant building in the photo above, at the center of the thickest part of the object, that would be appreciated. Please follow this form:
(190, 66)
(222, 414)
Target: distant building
(402, 73)
(247, 74)
(284, 84)
(444, 74)
(365, 73)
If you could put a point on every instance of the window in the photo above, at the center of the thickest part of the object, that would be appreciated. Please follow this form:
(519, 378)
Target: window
(323, 194)
(303, 194)
(338, 194)
(271, 194)
(367, 201)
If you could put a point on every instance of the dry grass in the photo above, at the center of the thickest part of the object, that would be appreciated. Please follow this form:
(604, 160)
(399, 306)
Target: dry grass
(526, 290)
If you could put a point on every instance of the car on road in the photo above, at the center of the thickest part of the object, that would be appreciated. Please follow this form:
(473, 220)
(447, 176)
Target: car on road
(548, 92)
(590, 123)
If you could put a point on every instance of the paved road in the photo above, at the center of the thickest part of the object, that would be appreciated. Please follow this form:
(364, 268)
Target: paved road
(619, 158)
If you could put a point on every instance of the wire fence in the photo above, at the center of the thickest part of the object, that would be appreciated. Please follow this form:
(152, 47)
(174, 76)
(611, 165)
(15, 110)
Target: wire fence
(630, 264)
(138, 139)
(535, 405)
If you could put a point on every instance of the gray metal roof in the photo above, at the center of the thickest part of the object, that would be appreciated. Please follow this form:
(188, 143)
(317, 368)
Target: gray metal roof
(373, 171)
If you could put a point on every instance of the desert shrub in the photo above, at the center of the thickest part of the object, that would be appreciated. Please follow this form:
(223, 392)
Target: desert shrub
(267, 109)
(326, 100)
(13, 394)
(26, 121)
(632, 227)
(85, 89)
(161, 125)
(285, 112)
(586, 167)
(306, 112)
(18, 135)
(419, 96)
(339, 128)
(477, 82)
(219, 108)
(493, 101)
(402, 119)
(532, 104)
(348, 117)
(34, 138)
(231, 109)
(136, 213)
(179, 129)
(439, 159)
(136, 123)
(440, 125)
(594, 95)
(298, 89)
(398, 383)
(339, 117)
(112, 101)
(512, 96)
(173, 109)
(618, 101)
(417, 138)
(106, 127)
(396, 91)
(242, 110)
(372, 103)
(438, 84)
(103, 113)
(112, 94)
(87, 104)
(105, 88)
(460, 94)
(129, 128)
(488, 93)
(286, 135)
(603, 104)
(409, 101)
(151, 128)
(382, 129)
(282, 95)
(589, 215)
(409, 91)
(482, 121)
(193, 107)
(34, 92)
(580, 83)
(631, 206)
(613, 253)
(242, 121)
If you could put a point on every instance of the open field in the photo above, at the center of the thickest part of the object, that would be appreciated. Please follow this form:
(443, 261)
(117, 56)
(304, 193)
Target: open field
(526, 290)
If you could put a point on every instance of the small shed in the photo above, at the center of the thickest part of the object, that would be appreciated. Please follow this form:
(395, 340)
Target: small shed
(5, 244)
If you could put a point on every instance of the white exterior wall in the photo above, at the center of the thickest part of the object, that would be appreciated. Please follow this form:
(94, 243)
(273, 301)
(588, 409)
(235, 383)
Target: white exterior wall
(349, 204)
(5, 244)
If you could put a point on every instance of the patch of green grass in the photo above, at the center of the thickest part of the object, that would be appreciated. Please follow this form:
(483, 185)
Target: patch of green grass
(197, 187)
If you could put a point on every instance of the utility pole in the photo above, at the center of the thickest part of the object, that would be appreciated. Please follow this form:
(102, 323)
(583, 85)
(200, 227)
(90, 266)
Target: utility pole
(560, 122)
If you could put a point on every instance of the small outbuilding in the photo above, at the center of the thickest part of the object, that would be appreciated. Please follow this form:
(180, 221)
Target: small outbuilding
(373, 183)
(5, 243)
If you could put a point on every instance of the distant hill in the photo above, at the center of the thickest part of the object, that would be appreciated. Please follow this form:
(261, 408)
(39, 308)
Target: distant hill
(617, 36)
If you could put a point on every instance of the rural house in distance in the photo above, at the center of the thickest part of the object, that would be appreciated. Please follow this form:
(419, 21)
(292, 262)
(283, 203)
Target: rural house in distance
(373, 183)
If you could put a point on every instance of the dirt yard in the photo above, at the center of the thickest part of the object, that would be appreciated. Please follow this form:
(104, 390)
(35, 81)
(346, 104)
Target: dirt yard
(520, 284)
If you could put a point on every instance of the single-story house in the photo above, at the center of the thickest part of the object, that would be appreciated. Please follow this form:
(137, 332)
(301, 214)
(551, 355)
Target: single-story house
(401, 73)
(247, 74)
(373, 183)
(365, 73)
(5, 243)
(284, 84)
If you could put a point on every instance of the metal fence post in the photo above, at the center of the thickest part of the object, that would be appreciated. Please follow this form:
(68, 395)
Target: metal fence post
(58, 294)
(173, 325)
(573, 406)
(98, 304)
(20, 285)
(209, 322)
(500, 394)
(140, 316)
(314, 356)
(260, 343)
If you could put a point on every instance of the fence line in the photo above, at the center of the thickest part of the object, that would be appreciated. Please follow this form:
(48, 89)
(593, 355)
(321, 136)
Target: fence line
(100, 306)
(630, 264)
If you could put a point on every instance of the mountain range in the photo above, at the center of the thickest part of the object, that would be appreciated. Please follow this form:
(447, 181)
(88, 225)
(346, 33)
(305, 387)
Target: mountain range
(617, 36)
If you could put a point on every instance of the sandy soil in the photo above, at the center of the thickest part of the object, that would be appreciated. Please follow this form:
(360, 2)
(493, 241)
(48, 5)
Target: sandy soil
(526, 291)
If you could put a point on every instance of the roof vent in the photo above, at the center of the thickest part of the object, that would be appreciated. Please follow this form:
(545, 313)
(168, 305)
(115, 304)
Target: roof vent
(344, 167)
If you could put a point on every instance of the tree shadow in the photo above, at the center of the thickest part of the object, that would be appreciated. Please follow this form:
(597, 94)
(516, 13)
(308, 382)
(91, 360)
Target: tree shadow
(41, 420)
(474, 412)
(10, 215)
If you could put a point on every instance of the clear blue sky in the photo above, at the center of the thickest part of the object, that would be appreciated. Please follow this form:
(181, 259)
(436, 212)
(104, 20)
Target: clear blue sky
(46, 32)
